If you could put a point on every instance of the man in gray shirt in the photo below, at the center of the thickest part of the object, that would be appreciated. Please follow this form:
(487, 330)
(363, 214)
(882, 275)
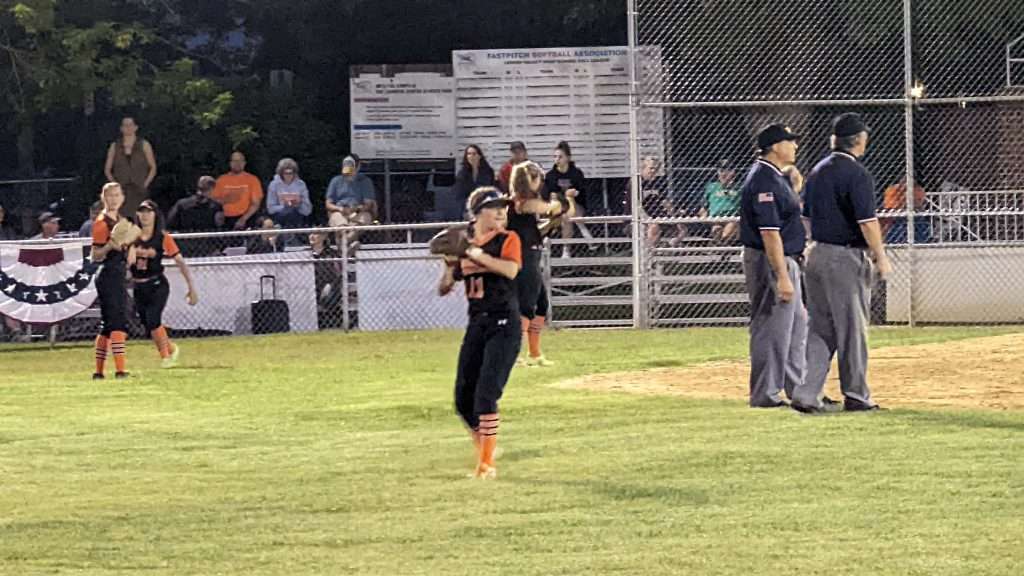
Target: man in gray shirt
(351, 199)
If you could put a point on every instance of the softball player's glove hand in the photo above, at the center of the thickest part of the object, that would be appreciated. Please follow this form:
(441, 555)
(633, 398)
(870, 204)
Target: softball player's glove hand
(567, 209)
(450, 242)
(124, 233)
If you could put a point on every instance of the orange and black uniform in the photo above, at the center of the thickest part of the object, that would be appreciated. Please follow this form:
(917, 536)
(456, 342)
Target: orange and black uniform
(493, 337)
(110, 285)
(533, 298)
(151, 287)
(113, 297)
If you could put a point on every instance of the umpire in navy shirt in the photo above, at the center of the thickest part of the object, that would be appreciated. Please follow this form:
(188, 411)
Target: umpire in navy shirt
(773, 238)
(847, 249)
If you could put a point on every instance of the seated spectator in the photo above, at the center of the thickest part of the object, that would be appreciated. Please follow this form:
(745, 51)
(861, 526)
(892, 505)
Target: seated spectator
(563, 177)
(656, 202)
(722, 200)
(239, 192)
(94, 212)
(288, 197)
(351, 199)
(199, 212)
(327, 272)
(269, 242)
(7, 231)
(474, 173)
(518, 156)
(49, 224)
(895, 198)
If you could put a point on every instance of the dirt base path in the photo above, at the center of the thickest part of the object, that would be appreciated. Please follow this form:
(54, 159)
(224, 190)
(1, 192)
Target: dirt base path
(977, 373)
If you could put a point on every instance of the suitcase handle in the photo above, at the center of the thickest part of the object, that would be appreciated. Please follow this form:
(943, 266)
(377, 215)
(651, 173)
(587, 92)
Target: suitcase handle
(273, 286)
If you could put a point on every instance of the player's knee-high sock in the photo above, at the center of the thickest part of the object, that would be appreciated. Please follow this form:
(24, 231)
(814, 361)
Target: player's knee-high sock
(162, 341)
(488, 440)
(526, 326)
(117, 346)
(536, 325)
(477, 440)
(102, 342)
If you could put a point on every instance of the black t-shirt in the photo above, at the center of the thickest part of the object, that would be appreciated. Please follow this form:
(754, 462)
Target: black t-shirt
(767, 202)
(838, 198)
(114, 261)
(525, 225)
(556, 181)
(487, 292)
(150, 254)
(195, 214)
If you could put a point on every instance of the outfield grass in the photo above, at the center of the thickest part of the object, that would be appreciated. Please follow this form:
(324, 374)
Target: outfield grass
(340, 454)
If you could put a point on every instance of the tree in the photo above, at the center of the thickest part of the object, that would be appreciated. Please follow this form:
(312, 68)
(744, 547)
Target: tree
(70, 54)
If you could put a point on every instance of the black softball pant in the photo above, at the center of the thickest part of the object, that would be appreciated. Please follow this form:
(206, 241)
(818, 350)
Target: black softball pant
(489, 351)
(150, 301)
(113, 297)
(533, 298)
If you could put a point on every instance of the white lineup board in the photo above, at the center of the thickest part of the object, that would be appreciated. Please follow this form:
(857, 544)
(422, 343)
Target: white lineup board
(542, 96)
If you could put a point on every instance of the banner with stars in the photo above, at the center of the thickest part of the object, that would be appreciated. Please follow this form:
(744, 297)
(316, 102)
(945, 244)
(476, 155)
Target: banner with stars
(45, 283)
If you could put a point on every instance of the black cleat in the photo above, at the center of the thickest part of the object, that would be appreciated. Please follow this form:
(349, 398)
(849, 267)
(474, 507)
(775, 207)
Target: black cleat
(851, 405)
(121, 375)
(823, 409)
(97, 376)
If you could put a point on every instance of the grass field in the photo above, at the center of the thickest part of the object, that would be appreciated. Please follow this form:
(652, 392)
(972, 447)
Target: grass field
(341, 454)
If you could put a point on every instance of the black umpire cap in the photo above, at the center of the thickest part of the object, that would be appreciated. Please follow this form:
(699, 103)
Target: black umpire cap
(849, 124)
(772, 134)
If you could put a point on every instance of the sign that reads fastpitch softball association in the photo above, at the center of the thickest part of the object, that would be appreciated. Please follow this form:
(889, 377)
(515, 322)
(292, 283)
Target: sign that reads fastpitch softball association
(542, 96)
(403, 112)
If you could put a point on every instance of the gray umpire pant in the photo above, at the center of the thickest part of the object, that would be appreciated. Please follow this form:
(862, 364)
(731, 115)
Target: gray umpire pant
(778, 330)
(838, 296)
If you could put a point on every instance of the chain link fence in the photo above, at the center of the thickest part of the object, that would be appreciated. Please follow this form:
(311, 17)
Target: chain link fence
(941, 83)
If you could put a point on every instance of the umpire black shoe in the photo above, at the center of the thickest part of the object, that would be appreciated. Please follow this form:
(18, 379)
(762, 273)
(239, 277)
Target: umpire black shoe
(851, 405)
(823, 409)
(828, 401)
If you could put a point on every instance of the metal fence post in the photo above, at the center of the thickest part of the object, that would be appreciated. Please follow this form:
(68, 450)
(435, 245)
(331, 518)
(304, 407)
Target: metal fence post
(908, 108)
(346, 267)
(387, 191)
(639, 285)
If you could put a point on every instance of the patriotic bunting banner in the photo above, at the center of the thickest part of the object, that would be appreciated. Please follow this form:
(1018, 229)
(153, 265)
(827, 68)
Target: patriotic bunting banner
(45, 283)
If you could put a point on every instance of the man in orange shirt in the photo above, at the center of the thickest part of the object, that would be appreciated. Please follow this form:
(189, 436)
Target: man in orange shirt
(239, 192)
(895, 198)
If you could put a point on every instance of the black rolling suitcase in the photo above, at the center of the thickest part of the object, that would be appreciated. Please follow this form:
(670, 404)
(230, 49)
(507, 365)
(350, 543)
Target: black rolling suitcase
(270, 316)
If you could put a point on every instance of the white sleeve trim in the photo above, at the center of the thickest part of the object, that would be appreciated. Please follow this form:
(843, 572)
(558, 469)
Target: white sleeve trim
(866, 220)
(768, 228)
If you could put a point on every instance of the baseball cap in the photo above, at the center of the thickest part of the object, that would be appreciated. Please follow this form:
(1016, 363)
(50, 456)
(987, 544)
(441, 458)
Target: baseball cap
(773, 134)
(48, 217)
(348, 166)
(147, 205)
(517, 145)
(485, 197)
(849, 124)
(725, 164)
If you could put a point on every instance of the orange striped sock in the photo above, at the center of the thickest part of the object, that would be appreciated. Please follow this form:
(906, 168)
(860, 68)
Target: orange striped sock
(117, 346)
(102, 342)
(536, 325)
(488, 438)
(162, 341)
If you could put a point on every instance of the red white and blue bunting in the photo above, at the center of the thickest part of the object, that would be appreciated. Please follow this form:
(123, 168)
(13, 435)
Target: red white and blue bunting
(45, 283)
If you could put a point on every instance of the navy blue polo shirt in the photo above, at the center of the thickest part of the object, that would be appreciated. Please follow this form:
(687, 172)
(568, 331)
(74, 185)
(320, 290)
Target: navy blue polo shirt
(768, 203)
(838, 198)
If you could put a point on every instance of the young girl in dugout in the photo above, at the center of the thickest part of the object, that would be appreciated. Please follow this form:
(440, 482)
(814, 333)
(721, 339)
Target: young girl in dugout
(146, 257)
(526, 186)
(110, 283)
(492, 341)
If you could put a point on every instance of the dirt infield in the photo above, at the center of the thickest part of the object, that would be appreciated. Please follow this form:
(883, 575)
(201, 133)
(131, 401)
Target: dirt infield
(983, 373)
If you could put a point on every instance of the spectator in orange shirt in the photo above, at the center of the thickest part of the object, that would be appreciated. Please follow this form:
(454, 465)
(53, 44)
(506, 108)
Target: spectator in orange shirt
(895, 198)
(239, 192)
